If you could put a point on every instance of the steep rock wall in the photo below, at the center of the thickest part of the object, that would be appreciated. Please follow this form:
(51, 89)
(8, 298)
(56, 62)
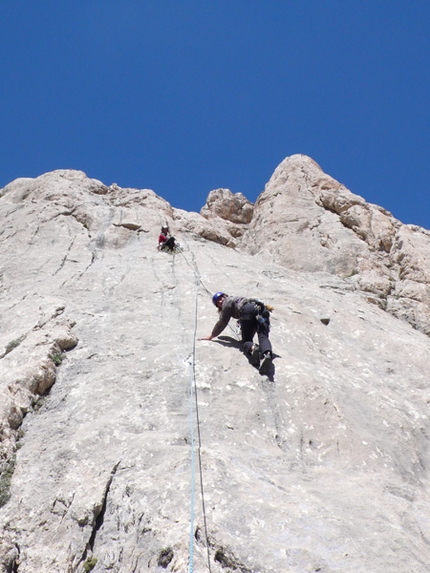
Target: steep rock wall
(325, 468)
(308, 221)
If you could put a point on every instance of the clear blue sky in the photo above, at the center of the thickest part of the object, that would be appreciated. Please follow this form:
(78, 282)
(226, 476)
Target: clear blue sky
(185, 96)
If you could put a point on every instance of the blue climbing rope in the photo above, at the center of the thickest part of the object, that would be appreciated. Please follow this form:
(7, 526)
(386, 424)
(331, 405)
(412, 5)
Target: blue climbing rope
(195, 423)
(193, 464)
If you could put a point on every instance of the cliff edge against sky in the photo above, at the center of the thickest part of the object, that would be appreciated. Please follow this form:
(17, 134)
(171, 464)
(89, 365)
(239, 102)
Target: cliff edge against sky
(324, 468)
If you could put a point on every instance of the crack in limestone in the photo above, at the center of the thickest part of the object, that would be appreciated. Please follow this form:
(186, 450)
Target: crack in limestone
(78, 276)
(224, 556)
(57, 312)
(229, 561)
(63, 262)
(11, 560)
(99, 516)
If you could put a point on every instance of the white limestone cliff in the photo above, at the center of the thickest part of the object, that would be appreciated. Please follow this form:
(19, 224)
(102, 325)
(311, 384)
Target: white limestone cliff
(324, 468)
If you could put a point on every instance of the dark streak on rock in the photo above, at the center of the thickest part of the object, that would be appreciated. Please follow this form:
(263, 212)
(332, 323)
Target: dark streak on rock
(100, 517)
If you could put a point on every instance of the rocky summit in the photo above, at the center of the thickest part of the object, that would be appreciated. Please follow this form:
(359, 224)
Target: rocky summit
(127, 444)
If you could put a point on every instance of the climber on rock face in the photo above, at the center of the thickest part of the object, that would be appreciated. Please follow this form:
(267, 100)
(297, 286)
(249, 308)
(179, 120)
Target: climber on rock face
(165, 241)
(254, 318)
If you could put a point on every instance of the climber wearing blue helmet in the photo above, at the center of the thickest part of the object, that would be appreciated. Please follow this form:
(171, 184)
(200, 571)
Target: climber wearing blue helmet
(254, 318)
(216, 297)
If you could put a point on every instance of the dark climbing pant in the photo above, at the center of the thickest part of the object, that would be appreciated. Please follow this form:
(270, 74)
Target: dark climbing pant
(250, 326)
(169, 244)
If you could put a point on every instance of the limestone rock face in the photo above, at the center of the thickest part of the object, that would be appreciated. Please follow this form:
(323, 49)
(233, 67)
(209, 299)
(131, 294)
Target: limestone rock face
(115, 419)
(234, 208)
(226, 217)
(307, 221)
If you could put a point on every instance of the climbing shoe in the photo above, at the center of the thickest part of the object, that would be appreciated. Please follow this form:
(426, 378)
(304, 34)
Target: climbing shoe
(255, 356)
(266, 364)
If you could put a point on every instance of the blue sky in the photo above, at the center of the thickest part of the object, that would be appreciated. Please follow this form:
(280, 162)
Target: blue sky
(185, 96)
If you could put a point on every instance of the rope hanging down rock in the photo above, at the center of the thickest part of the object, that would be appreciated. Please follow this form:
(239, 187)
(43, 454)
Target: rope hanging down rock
(194, 408)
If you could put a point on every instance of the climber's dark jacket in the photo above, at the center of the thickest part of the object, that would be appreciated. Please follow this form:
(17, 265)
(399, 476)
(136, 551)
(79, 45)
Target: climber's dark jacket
(230, 309)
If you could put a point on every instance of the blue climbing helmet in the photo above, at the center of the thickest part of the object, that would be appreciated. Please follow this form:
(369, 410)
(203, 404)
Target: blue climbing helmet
(217, 296)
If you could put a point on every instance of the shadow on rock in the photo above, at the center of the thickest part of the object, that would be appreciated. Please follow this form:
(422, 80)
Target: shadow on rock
(234, 343)
(228, 341)
(270, 372)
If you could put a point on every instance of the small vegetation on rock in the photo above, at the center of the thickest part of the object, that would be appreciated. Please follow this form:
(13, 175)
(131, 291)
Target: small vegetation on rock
(5, 481)
(165, 557)
(39, 403)
(57, 358)
(351, 273)
(13, 344)
(89, 564)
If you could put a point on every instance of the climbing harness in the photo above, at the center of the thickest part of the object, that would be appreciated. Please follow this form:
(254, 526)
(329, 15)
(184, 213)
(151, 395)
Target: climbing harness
(259, 308)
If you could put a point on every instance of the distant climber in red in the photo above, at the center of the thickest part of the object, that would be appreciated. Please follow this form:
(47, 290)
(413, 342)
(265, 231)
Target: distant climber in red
(165, 241)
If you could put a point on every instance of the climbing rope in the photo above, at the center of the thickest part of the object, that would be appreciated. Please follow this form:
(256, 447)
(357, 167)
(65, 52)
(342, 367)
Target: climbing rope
(192, 378)
(236, 331)
(195, 422)
(195, 271)
(195, 408)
